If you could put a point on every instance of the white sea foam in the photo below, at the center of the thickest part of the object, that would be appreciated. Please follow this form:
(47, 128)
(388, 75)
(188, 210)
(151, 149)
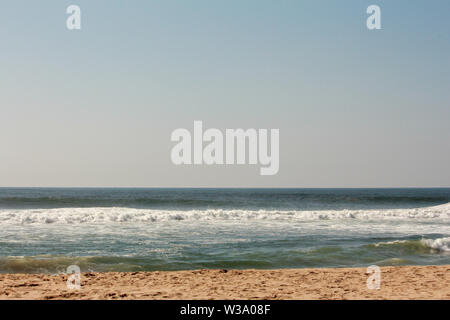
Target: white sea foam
(441, 244)
(124, 215)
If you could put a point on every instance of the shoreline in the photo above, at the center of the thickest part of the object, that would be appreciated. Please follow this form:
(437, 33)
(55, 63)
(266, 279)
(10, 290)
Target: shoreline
(397, 282)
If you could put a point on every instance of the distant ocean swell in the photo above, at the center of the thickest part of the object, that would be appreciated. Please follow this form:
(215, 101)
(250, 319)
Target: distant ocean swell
(68, 202)
(205, 200)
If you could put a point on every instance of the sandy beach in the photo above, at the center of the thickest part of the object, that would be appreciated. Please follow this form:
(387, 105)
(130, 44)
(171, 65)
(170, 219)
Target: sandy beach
(408, 282)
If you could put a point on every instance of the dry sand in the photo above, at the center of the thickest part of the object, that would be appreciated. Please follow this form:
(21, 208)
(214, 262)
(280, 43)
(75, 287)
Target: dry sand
(429, 282)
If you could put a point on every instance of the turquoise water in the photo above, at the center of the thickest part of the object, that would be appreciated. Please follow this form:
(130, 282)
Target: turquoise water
(46, 230)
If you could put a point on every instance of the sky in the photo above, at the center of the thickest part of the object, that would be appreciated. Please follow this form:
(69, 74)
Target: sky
(96, 107)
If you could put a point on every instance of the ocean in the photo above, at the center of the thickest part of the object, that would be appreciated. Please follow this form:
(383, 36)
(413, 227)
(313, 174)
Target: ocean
(46, 230)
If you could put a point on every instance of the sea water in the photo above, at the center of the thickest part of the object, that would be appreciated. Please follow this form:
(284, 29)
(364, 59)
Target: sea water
(47, 230)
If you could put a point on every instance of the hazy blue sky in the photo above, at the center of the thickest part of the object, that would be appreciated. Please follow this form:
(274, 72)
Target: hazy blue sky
(96, 107)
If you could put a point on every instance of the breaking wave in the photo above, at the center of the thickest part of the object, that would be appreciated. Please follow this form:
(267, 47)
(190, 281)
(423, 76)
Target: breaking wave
(422, 245)
(127, 215)
(442, 244)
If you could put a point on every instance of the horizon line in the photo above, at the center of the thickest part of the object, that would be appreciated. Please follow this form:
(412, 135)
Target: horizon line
(204, 187)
